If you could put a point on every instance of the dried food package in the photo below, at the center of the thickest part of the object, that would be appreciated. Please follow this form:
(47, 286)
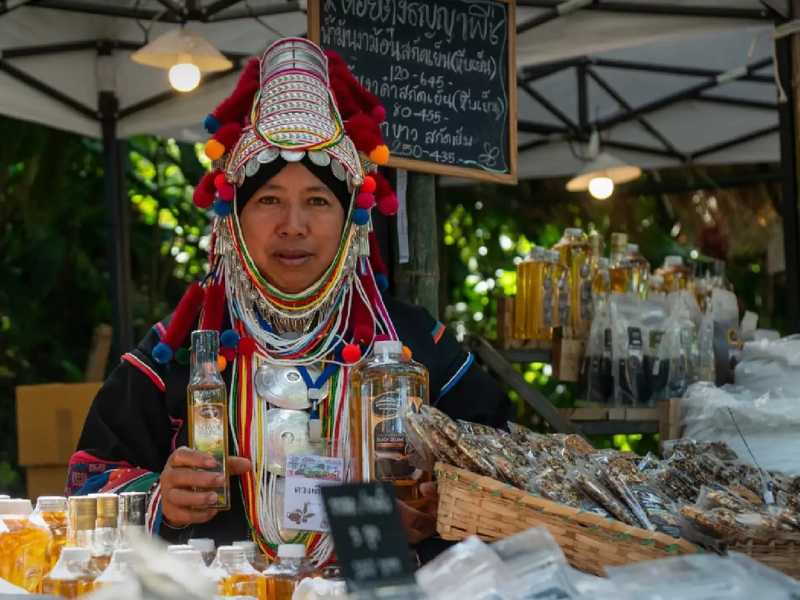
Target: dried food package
(600, 494)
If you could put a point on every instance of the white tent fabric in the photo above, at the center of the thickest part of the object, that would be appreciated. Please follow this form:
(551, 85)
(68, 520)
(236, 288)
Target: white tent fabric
(718, 43)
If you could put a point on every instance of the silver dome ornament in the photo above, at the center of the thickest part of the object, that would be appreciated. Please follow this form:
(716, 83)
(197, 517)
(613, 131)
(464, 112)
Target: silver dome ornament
(268, 155)
(283, 386)
(251, 167)
(321, 159)
(292, 155)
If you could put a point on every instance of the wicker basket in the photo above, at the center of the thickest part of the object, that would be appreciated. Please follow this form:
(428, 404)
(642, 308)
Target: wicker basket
(781, 556)
(470, 504)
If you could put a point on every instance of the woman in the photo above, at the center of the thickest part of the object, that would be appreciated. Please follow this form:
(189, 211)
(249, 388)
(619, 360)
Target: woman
(293, 287)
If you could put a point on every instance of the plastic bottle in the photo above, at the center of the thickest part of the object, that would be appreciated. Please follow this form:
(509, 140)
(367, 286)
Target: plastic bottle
(676, 275)
(206, 548)
(51, 512)
(81, 518)
(383, 388)
(208, 408)
(118, 569)
(71, 577)
(175, 548)
(254, 556)
(106, 535)
(23, 545)
(240, 579)
(194, 559)
(284, 574)
(575, 256)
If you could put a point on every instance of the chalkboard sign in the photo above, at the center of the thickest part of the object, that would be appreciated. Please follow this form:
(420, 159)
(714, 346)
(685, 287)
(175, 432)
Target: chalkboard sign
(368, 536)
(445, 72)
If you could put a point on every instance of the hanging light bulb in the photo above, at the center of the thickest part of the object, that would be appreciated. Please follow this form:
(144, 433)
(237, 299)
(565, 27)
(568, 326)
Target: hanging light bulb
(185, 55)
(601, 187)
(184, 76)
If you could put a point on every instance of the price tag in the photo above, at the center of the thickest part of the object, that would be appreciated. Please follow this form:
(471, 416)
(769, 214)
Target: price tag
(302, 501)
(369, 537)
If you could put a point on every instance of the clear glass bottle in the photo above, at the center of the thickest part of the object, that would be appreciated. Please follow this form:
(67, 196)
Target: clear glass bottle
(620, 267)
(539, 317)
(575, 256)
(82, 515)
(106, 535)
(51, 511)
(640, 271)
(240, 578)
(601, 282)
(285, 573)
(206, 548)
(208, 408)
(522, 299)
(132, 511)
(253, 554)
(118, 569)
(676, 275)
(23, 545)
(383, 388)
(561, 301)
(71, 577)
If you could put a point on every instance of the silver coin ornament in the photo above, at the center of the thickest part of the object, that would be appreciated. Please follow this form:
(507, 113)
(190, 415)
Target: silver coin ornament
(284, 387)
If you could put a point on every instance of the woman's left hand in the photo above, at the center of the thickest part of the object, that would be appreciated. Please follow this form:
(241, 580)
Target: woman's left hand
(420, 523)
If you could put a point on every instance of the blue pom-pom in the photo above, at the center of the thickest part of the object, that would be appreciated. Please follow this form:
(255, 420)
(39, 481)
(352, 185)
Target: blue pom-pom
(229, 339)
(222, 208)
(360, 216)
(211, 123)
(162, 353)
(382, 281)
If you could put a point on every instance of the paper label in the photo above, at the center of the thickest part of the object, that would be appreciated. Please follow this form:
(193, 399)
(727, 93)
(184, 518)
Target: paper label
(302, 502)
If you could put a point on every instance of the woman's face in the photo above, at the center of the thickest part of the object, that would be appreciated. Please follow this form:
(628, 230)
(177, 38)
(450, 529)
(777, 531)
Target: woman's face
(292, 226)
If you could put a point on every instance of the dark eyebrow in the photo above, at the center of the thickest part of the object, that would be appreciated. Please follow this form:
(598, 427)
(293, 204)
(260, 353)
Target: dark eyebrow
(313, 188)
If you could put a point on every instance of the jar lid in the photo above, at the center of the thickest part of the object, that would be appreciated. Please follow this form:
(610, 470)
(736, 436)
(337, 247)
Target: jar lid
(173, 548)
(291, 551)
(107, 505)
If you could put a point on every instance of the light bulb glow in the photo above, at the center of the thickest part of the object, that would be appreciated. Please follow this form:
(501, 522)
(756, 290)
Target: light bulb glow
(184, 77)
(601, 187)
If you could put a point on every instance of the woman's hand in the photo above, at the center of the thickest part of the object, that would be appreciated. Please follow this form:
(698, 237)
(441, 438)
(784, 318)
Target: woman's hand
(186, 492)
(420, 523)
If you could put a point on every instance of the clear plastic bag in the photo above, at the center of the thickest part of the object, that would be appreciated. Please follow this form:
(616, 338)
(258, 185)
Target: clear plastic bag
(470, 569)
(628, 352)
(598, 372)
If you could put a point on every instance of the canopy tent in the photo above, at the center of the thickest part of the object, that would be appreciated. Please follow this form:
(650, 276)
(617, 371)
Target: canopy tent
(648, 74)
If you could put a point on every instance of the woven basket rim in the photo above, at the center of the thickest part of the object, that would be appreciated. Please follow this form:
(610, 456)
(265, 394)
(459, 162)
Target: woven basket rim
(615, 529)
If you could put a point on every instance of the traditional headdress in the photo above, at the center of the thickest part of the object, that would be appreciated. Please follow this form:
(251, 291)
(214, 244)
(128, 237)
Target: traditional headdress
(297, 103)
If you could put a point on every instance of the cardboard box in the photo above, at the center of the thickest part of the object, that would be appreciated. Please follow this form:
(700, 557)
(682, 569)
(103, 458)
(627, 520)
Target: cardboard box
(49, 421)
(46, 481)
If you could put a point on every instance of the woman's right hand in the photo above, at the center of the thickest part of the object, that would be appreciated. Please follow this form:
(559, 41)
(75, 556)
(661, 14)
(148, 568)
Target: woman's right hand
(187, 491)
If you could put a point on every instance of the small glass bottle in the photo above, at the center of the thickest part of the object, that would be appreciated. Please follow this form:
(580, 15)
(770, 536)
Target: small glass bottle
(253, 554)
(676, 275)
(575, 256)
(82, 515)
(539, 318)
(208, 408)
(118, 569)
(601, 282)
(106, 535)
(383, 388)
(206, 548)
(51, 511)
(240, 579)
(132, 511)
(284, 574)
(522, 299)
(640, 271)
(71, 577)
(620, 267)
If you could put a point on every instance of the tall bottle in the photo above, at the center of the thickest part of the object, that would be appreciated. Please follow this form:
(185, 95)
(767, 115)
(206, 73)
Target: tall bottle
(208, 410)
(676, 275)
(382, 389)
(575, 256)
(23, 545)
(522, 298)
(284, 574)
(106, 536)
(620, 267)
(640, 271)
(51, 511)
(539, 318)
(601, 281)
(81, 521)
(240, 578)
(71, 577)
(206, 548)
(132, 511)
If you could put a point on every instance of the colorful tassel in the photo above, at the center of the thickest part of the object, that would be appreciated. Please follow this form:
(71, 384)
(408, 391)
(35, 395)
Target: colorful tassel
(351, 353)
(360, 216)
(365, 200)
(388, 205)
(203, 196)
(222, 208)
(213, 307)
(183, 319)
(247, 346)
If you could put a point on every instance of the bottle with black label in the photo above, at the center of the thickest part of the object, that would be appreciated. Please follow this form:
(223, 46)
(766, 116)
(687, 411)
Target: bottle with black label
(382, 389)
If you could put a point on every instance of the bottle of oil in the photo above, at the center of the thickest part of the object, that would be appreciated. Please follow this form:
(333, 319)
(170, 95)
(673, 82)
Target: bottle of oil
(132, 510)
(620, 267)
(23, 545)
(51, 512)
(640, 271)
(676, 275)
(522, 299)
(575, 256)
(240, 579)
(382, 389)
(118, 569)
(539, 317)
(71, 577)
(284, 574)
(106, 535)
(559, 276)
(207, 409)
(254, 555)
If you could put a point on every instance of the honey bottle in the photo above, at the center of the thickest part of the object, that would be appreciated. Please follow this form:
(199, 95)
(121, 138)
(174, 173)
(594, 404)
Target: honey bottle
(285, 573)
(620, 267)
(23, 545)
(676, 275)
(51, 512)
(71, 577)
(522, 299)
(601, 281)
(240, 578)
(208, 409)
(640, 271)
(574, 252)
(539, 317)
(383, 388)
(105, 538)
(254, 556)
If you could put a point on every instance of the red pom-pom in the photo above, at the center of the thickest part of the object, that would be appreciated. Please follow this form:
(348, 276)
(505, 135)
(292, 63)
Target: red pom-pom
(228, 135)
(369, 186)
(203, 195)
(351, 353)
(185, 315)
(247, 346)
(388, 205)
(379, 113)
(213, 307)
(365, 200)
(226, 191)
(228, 353)
(219, 180)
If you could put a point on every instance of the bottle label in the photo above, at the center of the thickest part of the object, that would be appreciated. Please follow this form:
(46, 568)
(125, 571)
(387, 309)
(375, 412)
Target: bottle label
(208, 435)
(391, 462)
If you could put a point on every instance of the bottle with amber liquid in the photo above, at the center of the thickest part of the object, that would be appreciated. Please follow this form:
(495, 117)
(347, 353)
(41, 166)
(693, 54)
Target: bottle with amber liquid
(71, 577)
(208, 409)
(620, 267)
(540, 281)
(382, 389)
(23, 545)
(601, 281)
(51, 512)
(106, 534)
(575, 252)
(640, 271)
(285, 573)
(522, 299)
(676, 275)
(240, 578)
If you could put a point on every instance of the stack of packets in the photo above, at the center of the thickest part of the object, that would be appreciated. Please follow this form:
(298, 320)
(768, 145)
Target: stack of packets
(699, 491)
